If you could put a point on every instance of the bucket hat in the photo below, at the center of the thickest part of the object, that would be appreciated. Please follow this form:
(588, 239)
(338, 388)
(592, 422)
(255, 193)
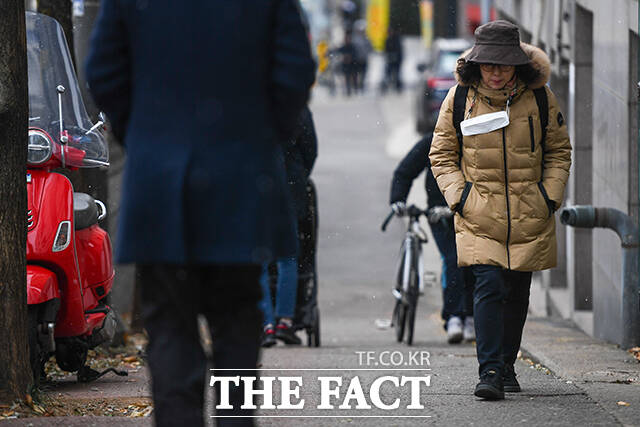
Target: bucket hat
(497, 42)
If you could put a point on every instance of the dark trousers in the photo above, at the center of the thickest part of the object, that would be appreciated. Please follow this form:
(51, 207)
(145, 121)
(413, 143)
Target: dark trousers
(172, 298)
(457, 283)
(350, 78)
(501, 301)
(392, 75)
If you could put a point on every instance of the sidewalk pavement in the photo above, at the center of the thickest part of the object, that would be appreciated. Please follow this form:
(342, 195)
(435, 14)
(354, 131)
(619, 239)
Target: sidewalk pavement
(607, 374)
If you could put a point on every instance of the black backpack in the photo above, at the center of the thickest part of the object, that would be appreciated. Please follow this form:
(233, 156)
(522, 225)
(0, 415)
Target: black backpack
(460, 100)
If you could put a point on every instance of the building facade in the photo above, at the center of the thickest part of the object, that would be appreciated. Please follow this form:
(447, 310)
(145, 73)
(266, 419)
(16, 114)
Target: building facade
(593, 47)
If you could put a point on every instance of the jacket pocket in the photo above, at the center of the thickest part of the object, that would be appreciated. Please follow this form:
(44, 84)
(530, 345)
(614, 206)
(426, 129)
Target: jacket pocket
(532, 135)
(463, 198)
(547, 200)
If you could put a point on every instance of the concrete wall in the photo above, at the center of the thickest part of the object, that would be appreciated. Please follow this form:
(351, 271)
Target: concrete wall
(597, 56)
(610, 156)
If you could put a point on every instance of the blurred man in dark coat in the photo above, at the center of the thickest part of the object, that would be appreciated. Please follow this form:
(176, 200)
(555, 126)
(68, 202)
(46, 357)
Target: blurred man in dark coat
(201, 94)
(394, 55)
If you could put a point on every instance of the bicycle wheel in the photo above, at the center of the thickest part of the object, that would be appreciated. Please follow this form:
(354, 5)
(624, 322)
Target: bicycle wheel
(399, 318)
(411, 316)
(412, 297)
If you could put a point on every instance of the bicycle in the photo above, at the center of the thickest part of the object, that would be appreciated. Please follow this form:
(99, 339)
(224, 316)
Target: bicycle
(410, 276)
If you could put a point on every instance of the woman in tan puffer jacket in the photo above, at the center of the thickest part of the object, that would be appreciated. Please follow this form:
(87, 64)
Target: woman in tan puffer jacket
(504, 186)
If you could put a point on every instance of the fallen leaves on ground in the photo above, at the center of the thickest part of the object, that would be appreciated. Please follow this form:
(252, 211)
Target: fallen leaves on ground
(534, 365)
(24, 409)
(55, 406)
(129, 357)
(115, 407)
(636, 353)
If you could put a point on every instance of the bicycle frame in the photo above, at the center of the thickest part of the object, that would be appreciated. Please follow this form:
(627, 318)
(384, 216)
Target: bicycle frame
(410, 270)
(411, 251)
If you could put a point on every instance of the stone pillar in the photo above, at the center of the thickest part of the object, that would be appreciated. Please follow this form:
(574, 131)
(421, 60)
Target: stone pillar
(580, 241)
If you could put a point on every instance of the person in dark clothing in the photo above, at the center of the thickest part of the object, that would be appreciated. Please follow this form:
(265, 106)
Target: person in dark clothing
(299, 156)
(204, 197)
(394, 56)
(362, 49)
(348, 57)
(457, 285)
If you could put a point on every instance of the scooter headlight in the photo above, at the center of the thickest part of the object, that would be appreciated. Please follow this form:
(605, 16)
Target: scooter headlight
(39, 147)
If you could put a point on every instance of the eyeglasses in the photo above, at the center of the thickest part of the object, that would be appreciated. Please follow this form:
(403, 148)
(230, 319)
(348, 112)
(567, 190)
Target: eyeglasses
(491, 67)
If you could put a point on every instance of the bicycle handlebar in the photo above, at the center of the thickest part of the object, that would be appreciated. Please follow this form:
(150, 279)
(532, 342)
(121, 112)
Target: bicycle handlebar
(387, 220)
(433, 215)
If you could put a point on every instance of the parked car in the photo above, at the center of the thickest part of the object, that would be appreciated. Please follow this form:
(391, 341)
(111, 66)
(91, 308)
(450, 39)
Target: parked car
(437, 79)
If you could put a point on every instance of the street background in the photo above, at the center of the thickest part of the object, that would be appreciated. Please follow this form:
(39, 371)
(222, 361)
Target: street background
(567, 377)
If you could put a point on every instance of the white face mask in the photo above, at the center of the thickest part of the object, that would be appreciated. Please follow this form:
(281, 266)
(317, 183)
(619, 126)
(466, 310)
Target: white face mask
(485, 123)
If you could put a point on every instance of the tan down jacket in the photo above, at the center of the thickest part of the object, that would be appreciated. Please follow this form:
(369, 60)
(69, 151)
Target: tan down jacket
(501, 186)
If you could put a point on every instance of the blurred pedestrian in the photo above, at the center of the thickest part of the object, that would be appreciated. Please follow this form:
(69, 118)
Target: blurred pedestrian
(300, 155)
(362, 49)
(394, 55)
(457, 283)
(348, 62)
(201, 110)
(504, 174)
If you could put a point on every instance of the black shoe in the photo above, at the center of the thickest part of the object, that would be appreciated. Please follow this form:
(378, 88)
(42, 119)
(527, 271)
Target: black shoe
(509, 380)
(490, 386)
(268, 337)
(286, 334)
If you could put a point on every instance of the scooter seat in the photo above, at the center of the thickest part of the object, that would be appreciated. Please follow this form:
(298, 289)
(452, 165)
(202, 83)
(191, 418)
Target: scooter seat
(85, 211)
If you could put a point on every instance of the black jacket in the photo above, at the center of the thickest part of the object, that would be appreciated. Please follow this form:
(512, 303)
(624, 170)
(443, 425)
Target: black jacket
(409, 168)
(203, 110)
(299, 156)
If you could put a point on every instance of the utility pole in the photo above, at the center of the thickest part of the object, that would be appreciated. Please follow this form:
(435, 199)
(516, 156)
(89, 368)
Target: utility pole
(84, 17)
(486, 11)
(15, 371)
(60, 10)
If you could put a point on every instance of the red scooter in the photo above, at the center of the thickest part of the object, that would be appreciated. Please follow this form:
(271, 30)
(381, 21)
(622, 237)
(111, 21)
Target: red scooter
(69, 261)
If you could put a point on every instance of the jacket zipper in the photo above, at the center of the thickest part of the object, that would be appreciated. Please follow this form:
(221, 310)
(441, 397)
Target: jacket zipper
(533, 141)
(506, 192)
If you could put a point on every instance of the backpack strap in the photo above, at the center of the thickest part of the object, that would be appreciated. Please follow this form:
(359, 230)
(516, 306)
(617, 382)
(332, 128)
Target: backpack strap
(543, 112)
(459, 104)
(460, 101)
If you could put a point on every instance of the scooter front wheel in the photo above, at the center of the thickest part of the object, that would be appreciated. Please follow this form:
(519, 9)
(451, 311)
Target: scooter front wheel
(71, 354)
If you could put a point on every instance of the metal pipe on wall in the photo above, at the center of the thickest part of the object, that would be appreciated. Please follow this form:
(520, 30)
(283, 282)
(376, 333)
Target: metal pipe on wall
(627, 230)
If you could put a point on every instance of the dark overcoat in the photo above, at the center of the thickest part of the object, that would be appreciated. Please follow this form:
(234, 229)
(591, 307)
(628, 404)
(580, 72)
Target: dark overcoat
(202, 93)
(299, 157)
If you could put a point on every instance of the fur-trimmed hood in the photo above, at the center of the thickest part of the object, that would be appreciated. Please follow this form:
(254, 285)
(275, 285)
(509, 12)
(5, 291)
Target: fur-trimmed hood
(539, 60)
